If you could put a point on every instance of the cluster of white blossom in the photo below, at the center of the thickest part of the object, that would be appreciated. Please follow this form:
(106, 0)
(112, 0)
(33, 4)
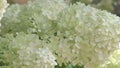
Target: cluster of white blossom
(31, 53)
(75, 34)
(50, 7)
(3, 6)
(113, 60)
(27, 51)
(91, 35)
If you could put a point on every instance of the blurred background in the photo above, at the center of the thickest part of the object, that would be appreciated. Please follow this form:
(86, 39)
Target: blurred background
(112, 6)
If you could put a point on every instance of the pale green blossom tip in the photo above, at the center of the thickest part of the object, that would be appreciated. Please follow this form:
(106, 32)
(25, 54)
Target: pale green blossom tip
(3, 6)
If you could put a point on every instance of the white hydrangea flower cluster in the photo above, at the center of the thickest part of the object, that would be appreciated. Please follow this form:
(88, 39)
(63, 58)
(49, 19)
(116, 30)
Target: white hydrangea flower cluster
(114, 60)
(50, 7)
(95, 34)
(31, 53)
(3, 6)
(76, 34)
(47, 56)
(45, 13)
(91, 35)
(36, 58)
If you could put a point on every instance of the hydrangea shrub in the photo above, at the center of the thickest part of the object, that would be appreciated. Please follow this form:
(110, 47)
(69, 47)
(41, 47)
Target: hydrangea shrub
(46, 33)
